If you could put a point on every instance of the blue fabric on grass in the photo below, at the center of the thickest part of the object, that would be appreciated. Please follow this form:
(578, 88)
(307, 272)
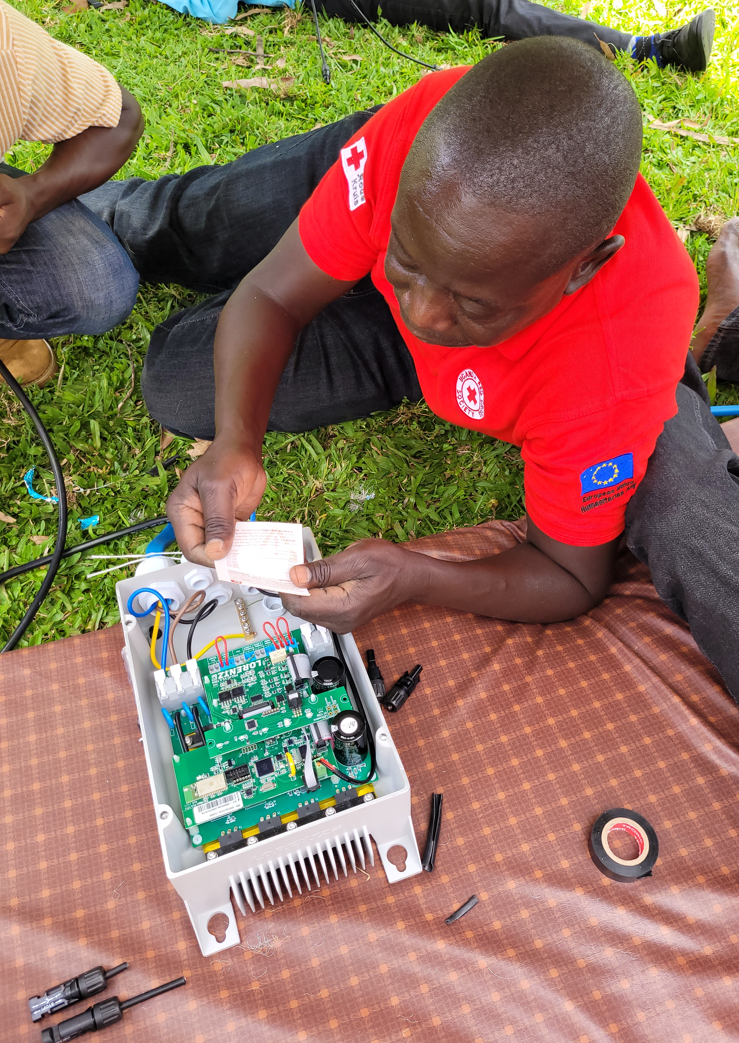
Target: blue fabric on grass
(218, 10)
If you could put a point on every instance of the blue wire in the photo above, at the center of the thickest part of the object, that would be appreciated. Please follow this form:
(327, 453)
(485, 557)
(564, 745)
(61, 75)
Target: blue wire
(139, 615)
(204, 706)
(168, 718)
(188, 713)
(725, 410)
(161, 541)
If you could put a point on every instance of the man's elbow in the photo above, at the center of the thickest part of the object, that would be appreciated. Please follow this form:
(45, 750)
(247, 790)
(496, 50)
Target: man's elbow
(132, 118)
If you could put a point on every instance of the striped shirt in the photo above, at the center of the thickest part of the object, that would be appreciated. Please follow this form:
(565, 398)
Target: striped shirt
(49, 92)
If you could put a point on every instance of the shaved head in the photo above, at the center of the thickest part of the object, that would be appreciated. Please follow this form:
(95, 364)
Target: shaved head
(545, 128)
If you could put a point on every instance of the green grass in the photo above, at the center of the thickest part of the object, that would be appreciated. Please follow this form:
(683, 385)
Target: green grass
(400, 474)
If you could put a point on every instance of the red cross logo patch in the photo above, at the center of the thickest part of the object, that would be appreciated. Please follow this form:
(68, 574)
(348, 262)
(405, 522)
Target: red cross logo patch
(353, 159)
(470, 394)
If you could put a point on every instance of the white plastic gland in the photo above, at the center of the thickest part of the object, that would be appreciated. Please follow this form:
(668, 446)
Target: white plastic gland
(171, 592)
(198, 579)
(272, 606)
(219, 591)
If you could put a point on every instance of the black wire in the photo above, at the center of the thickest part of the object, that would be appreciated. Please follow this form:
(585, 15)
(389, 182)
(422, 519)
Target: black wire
(81, 548)
(325, 71)
(203, 612)
(387, 43)
(61, 534)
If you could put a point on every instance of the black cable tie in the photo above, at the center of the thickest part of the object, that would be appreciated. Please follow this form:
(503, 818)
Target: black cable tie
(432, 836)
(463, 910)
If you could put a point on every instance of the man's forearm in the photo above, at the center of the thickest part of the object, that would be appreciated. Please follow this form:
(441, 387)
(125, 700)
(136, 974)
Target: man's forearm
(84, 161)
(254, 339)
(521, 584)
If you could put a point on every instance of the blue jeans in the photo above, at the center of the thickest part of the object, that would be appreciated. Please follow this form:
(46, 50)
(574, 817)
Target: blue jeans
(66, 274)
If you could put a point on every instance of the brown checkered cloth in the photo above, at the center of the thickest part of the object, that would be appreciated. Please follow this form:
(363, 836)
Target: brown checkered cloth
(530, 732)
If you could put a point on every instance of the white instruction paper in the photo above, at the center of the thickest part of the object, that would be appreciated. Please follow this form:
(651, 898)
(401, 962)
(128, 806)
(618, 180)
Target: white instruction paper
(262, 555)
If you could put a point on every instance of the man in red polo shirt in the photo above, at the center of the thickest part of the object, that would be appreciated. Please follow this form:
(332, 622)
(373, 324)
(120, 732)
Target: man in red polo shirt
(530, 287)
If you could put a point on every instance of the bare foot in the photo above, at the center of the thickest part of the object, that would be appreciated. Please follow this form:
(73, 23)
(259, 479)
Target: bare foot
(731, 430)
(722, 273)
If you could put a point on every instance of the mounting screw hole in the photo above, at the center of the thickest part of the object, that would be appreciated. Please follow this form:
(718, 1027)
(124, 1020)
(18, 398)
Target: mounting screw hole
(218, 925)
(398, 856)
(382, 737)
(164, 815)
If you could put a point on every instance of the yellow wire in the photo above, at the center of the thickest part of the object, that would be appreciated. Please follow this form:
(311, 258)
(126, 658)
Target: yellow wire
(154, 635)
(291, 762)
(226, 637)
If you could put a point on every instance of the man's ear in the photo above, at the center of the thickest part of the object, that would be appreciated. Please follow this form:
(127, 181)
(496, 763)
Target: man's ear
(594, 262)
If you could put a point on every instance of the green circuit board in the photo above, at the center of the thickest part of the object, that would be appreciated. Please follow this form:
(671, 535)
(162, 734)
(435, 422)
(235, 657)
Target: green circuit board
(243, 772)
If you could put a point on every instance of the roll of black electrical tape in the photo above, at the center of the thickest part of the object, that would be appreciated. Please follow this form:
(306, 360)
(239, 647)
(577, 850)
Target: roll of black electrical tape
(637, 827)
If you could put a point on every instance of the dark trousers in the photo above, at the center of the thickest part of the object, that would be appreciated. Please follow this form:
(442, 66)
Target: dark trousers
(508, 19)
(209, 227)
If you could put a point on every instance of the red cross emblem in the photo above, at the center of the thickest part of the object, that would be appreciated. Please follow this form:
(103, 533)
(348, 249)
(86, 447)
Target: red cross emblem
(355, 157)
(470, 394)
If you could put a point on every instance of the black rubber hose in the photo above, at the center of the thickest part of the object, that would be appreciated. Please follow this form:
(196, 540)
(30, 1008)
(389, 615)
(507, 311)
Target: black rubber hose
(81, 548)
(54, 559)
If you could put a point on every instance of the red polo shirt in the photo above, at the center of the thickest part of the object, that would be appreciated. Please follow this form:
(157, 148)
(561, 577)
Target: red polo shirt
(584, 391)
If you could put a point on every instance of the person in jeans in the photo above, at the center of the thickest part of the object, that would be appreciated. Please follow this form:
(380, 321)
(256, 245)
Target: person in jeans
(61, 271)
(688, 47)
(483, 241)
(61, 268)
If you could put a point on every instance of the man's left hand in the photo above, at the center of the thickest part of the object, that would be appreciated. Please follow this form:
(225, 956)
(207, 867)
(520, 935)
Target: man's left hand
(352, 587)
(16, 211)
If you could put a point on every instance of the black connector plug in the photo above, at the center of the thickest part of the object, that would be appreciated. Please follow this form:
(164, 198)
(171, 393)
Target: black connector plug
(102, 1014)
(376, 678)
(71, 991)
(402, 688)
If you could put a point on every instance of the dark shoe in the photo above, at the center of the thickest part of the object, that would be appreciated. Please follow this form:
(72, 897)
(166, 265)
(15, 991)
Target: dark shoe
(690, 47)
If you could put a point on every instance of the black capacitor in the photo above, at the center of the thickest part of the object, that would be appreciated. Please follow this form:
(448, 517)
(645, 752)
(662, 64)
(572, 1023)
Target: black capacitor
(329, 673)
(350, 738)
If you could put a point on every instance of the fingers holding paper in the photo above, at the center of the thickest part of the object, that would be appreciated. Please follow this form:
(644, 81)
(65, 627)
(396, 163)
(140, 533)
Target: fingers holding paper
(352, 587)
(224, 486)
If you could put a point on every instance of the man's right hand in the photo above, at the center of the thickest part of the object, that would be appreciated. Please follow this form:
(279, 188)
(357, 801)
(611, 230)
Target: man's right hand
(256, 334)
(224, 486)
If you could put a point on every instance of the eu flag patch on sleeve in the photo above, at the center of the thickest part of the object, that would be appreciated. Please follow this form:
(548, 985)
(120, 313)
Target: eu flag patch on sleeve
(607, 474)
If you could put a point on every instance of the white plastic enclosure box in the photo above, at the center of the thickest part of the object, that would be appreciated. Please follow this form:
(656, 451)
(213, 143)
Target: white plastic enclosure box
(271, 869)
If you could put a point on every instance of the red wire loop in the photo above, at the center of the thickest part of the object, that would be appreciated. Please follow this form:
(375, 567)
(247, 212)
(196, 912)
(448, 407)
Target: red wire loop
(276, 635)
(223, 663)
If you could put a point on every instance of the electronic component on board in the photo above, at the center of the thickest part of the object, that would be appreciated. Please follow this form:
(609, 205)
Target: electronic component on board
(328, 673)
(294, 700)
(320, 733)
(238, 774)
(350, 737)
(231, 841)
(208, 787)
(264, 767)
(270, 827)
(299, 666)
